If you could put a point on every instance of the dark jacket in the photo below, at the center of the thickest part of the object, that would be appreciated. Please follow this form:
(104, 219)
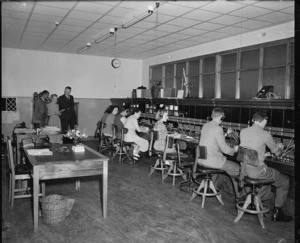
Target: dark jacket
(40, 112)
(66, 104)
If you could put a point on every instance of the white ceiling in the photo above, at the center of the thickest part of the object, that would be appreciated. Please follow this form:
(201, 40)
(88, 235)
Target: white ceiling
(174, 25)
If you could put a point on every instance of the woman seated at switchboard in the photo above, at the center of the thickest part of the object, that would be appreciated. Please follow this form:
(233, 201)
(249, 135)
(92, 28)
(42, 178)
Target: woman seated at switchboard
(111, 112)
(132, 125)
(160, 127)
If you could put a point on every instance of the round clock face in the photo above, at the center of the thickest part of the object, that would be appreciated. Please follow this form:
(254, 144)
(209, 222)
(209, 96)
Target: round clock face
(116, 63)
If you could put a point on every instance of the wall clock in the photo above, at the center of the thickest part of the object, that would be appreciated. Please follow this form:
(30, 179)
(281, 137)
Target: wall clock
(116, 63)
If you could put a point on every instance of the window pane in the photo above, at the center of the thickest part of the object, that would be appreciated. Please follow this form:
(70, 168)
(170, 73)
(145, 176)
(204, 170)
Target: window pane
(228, 85)
(275, 77)
(194, 68)
(157, 73)
(169, 83)
(275, 55)
(209, 65)
(248, 84)
(250, 59)
(179, 69)
(208, 86)
(169, 71)
(228, 62)
(194, 86)
(179, 83)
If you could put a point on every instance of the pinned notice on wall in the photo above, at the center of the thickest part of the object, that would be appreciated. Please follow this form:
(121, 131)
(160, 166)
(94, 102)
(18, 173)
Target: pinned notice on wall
(9, 117)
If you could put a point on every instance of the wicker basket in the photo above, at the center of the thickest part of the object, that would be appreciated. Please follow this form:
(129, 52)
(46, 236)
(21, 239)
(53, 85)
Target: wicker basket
(54, 209)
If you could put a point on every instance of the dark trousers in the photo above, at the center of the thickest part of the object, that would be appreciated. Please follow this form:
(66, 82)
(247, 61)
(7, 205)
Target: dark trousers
(66, 121)
(37, 125)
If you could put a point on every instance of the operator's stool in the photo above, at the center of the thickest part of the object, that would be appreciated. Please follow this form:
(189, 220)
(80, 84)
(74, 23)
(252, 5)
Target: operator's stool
(207, 188)
(253, 204)
(159, 164)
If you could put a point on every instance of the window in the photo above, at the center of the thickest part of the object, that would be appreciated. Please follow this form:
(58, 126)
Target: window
(8, 104)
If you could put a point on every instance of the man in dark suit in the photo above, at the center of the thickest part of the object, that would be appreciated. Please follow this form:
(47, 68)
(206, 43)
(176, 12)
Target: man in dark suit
(40, 110)
(66, 107)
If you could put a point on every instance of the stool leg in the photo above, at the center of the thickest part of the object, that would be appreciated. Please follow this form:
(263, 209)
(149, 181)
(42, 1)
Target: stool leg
(259, 215)
(10, 188)
(204, 192)
(198, 190)
(162, 168)
(219, 197)
(77, 185)
(245, 206)
(12, 194)
(174, 172)
(152, 168)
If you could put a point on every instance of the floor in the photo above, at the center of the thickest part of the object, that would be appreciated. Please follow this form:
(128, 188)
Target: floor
(140, 209)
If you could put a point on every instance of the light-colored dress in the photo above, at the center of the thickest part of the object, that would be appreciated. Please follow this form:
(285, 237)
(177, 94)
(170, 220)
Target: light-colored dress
(109, 121)
(53, 112)
(160, 143)
(132, 125)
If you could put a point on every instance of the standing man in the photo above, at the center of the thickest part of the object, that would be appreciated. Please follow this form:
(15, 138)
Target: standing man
(40, 110)
(213, 138)
(66, 107)
(257, 138)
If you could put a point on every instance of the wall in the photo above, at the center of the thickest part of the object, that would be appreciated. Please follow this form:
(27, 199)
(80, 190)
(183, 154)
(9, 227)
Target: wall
(93, 81)
(26, 71)
(278, 32)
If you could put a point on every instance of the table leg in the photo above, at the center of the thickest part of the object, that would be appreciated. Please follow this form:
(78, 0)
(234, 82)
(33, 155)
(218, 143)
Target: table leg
(35, 197)
(104, 189)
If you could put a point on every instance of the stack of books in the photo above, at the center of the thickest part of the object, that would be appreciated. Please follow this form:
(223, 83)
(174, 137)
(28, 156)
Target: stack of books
(78, 148)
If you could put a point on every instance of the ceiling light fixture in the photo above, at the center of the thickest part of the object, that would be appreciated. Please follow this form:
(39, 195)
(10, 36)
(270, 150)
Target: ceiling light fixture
(84, 48)
(139, 18)
(106, 36)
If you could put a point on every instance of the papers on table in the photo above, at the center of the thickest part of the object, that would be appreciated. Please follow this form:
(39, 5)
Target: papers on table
(35, 152)
(50, 130)
(24, 130)
(78, 148)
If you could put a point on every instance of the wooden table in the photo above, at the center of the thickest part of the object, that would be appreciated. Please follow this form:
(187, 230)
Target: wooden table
(67, 165)
(54, 138)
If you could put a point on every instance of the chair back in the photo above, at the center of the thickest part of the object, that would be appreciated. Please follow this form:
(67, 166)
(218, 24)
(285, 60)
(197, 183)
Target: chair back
(247, 156)
(115, 131)
(123, 132)
(180, 145)
(169, 144)
(11, 163)
(201, 153)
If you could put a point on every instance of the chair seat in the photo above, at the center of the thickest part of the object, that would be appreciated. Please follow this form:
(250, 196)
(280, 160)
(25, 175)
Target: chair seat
(208, 170)
(128, 143)
(253, 181)
(22, 169)
(157, 152)
(174, 156)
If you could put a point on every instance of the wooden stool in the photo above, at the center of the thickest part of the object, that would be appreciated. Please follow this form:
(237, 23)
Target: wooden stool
(207, 188)
(159, 164)
(253, 200)
(175, 167)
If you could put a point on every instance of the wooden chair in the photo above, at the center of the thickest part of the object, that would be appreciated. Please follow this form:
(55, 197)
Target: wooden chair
(159, 163)
(106, 142)
(175, 168)
(124, 148)
(17, 175)
(206, 187)
(26, 143)
(252, 204)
